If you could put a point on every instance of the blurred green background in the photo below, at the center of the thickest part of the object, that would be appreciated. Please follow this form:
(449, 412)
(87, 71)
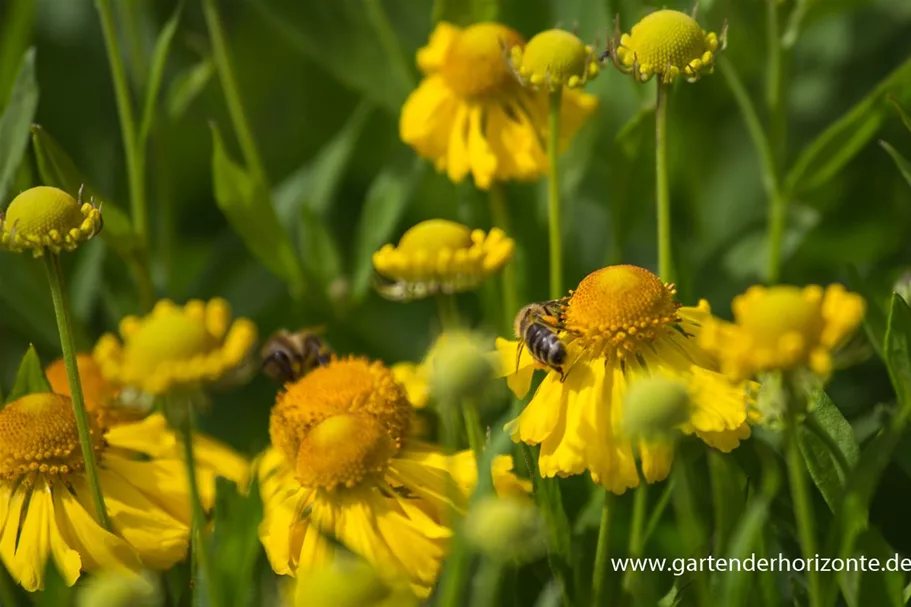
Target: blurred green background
(322, 84)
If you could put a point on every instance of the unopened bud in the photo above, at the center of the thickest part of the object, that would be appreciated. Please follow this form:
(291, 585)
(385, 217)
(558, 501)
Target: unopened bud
(119, 589)
(654, 407)
(348, 582)
(461, 366)
(508, 529)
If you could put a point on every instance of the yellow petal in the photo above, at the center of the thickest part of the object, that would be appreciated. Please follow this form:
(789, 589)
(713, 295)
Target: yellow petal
(150, 436)
(427, 119)
(100, 549)
(431, 57)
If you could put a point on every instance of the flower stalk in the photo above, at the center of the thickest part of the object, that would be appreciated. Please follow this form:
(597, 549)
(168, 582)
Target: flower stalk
(500, 213)
(67, 345)
(600, 577)
(553, 195)
(665, 253)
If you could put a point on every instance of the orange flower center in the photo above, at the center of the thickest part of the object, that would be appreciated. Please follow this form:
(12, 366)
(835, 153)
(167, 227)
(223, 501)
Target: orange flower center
(619, 307)
(38, 434)
(340, 423)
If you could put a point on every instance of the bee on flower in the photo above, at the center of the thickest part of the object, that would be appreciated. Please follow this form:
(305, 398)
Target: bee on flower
(622, 325)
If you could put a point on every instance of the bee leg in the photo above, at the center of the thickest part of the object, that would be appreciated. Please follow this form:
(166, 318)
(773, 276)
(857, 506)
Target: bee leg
(519, 354)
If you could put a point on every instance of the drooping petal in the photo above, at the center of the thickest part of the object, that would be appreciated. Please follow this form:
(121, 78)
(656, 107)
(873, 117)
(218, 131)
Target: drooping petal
(518, 369)
(427, 119)
(431, 57)
(100, 549)
(483, 161)
(458, 159)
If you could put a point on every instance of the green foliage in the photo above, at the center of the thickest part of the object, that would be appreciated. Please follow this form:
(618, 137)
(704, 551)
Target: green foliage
(234, 545)
(30, 377)
(16, 119)
(247, 204)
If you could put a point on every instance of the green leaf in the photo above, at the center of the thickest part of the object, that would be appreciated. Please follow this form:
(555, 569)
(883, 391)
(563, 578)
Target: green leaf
(906, 119)
(156, 72)
(56, 592)
(387, 199)
(15, 36)
(30, 377)
(900, 161)
(16, 119)
(728, 495)
(837, 145)
(320, 251)
(825, 420)
(332, 160)
(248, 206)
(898, 350)
(25, 300)
(187, 86)
(57, 169)
(465, 12)
(235, 545)
(344, 38)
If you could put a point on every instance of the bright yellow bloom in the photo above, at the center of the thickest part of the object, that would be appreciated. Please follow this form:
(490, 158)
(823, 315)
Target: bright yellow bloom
(668, 43)
(622, 324)
(440, 256)
(213, 458)
(783, 328)
(554, 59)
(176, 348)
(47, 218)
(46, 508)
(471, 115)
(342, 465)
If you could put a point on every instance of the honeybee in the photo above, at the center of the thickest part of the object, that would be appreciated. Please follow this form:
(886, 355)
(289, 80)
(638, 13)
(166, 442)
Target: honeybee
(289, 356)
(536, 327)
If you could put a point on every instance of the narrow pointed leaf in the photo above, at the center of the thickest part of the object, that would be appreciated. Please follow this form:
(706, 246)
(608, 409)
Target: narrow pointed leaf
(248, 206)
(159, 60)
(14, 124)
(30, 377)
(900, 161)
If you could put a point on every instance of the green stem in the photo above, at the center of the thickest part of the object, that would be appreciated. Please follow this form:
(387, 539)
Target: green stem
(135, 156)
(487, 584)
(183, 412)
(448, 311)
(232, 95)
(665, 255)
(777, 216)
(500, 212)
(476, 436)
(775, 83)
(803, 508)
(637, 528)
(65, 328)
(553, 196)
(692, 529)
(600, 577)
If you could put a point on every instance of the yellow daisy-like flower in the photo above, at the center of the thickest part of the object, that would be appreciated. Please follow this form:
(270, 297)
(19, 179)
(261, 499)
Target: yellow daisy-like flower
(342, 465)
(471, 115)
(621, 325)
(440, 256)
(213, 458)
(554, 59)
(668, 43)
(46, 508)
(175, 347)
(46, 218)
(783, 328)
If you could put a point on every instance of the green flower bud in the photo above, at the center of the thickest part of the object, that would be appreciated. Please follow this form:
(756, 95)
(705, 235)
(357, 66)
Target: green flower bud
(654, 407)
(508, 529)
(348, 582)
(119, 589)
(461, 366)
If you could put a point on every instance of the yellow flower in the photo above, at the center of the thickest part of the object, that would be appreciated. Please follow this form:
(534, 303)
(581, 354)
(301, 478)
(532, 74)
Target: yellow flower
(440, 256)
(46, 508)
(471, 115)
(213, 458)
(47, 218)
(415, 379)
(668, 43)
(554, 59)
(783, 328)
(342, 465)
(621, 325)
(175, 348)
